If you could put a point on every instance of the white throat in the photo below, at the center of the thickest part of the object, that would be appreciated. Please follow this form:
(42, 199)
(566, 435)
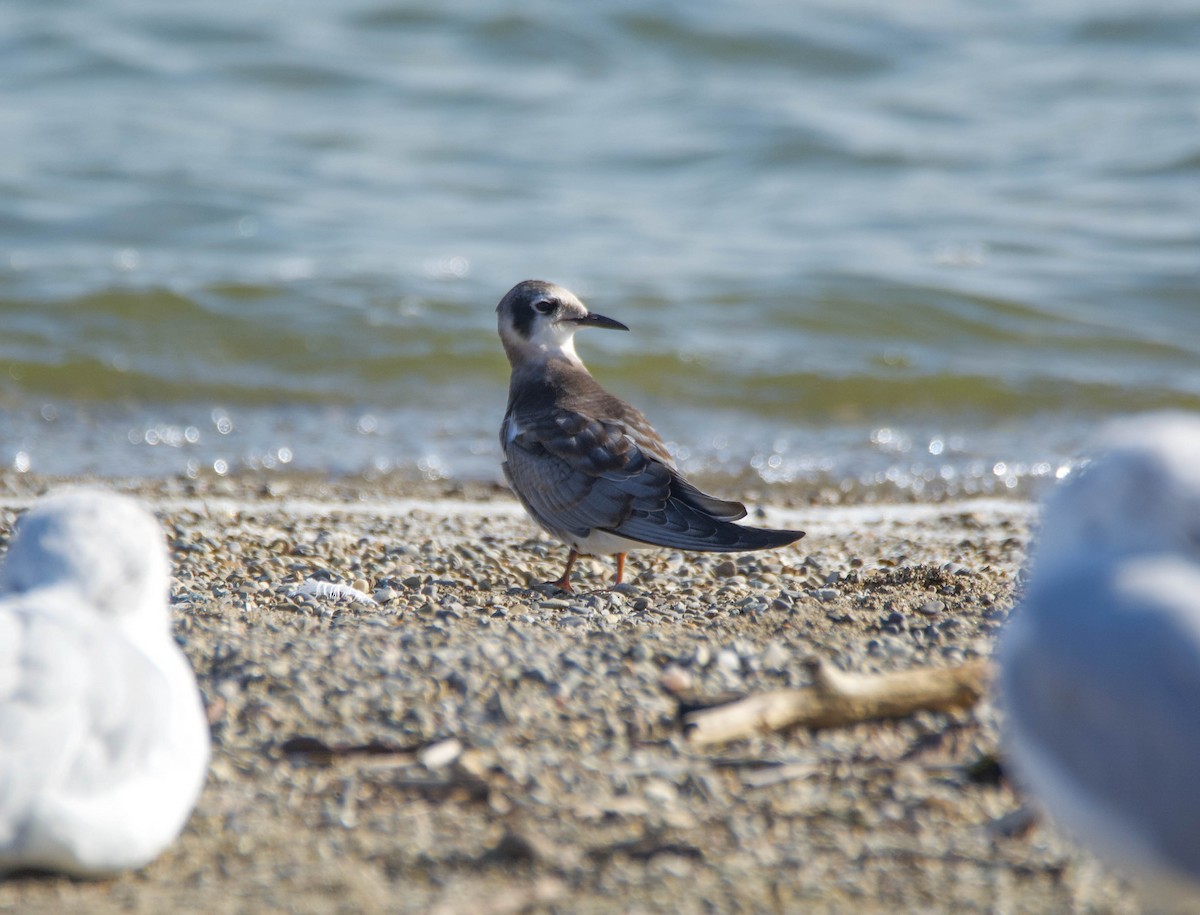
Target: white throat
(550, 342)
(560, 346)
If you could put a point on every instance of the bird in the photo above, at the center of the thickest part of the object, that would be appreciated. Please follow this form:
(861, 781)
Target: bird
(104, 743)
(1100, 661)
(587, 466)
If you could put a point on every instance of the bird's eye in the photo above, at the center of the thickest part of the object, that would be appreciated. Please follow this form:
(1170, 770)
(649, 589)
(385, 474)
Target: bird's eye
(545, 306)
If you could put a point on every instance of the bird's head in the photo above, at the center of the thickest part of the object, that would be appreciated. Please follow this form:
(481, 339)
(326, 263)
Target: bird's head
(537, 321)
(1140, 495)
(104, 547)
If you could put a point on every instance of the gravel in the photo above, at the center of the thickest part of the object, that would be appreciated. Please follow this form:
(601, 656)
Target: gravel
(402, 723)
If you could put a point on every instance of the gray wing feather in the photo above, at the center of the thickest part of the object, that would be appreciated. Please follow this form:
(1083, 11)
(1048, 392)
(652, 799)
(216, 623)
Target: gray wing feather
(576, 474)
(586, 460)
(1107, 681)
(579, 482)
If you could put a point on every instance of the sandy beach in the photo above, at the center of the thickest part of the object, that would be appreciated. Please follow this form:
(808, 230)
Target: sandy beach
(462, 743)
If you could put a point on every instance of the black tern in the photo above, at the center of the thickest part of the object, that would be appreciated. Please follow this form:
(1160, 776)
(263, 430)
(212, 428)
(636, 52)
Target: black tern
(587, 466)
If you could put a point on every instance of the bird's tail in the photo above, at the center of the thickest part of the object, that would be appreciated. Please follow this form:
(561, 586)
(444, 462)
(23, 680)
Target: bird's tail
(758, 538)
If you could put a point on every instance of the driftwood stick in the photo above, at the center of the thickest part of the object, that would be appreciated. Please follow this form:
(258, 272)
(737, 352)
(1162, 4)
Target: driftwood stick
(838, 698)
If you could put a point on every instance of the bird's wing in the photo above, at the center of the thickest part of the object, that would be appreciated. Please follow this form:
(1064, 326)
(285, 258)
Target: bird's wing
(1101, 675)
(576, 473)
(80, 711)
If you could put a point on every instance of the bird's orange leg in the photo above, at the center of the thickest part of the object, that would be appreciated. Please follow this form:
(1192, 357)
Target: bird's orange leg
(564, 583)
(620, 568)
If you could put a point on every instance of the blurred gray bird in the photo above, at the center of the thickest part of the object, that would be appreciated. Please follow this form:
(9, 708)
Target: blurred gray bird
(1100, 664)
(587, 466)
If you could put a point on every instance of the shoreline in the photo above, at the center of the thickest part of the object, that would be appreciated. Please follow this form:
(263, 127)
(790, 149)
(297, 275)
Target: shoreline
(536, 760)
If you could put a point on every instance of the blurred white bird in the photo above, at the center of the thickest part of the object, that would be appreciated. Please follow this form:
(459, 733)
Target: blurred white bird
(104, 744)
(1100, 664)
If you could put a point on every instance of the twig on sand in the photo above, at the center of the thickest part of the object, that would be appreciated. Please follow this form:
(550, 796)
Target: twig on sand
(315, 751)
(838, 698)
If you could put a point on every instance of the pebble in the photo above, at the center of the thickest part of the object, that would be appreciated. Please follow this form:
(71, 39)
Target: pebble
(775, 657)
(676, 679)
(660, 792)
(725, 569)
(441, 754)
(727, 659)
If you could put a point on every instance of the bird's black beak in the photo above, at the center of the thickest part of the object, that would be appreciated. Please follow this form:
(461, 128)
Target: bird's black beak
(591, 319)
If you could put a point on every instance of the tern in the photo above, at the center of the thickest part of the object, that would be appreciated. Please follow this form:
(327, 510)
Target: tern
(588, 467)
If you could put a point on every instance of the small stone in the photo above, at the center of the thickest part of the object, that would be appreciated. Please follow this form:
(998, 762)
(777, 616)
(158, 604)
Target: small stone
(931, 607)
(775, 657)
(675, 680)
(473, 763)
(514, 846)
(825, 595)
(725, 569)
(727, 659)
(440, 754)
(571, 621)
(661, 792)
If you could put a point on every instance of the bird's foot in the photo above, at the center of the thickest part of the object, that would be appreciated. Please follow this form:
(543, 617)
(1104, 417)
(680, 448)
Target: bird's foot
(562, 584)
(559, 584)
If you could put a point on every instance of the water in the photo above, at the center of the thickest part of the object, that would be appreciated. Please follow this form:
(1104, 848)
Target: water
(927, 246)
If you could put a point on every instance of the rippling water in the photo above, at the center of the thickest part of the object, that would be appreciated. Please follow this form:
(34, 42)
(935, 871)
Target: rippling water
(928, 245)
